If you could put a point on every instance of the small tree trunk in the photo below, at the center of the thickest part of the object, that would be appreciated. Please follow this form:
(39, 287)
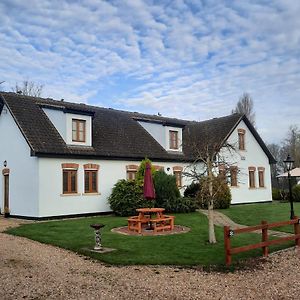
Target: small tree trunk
(211, 227)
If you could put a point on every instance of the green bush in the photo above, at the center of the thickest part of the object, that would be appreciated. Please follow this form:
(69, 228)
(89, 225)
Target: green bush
(221, 191)
(276, 194)
(296, 192)
(166, 189)
(181, 205)
(126, 197)
(168, 195)
(192, 190)
(141, 170)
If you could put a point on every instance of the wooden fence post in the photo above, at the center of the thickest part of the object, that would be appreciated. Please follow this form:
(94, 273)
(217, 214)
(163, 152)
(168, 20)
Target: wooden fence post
(297, 231)
(227, 245)
(265, 237)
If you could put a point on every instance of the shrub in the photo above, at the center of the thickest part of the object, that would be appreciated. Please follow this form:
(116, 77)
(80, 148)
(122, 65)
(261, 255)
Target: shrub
(221, 191)
(296, 192)
(276, 195)
(126, 197)
(165, 188)
(168, 195)
(141, 170)
(181, 205)
(192, 190)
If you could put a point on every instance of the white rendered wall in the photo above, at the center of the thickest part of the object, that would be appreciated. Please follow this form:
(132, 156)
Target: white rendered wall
(157, 131)
(23, 177)
(58, 118)
(53, 203)
(253, 155)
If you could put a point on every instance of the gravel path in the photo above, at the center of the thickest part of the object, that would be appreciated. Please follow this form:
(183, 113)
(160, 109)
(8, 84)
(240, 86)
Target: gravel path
(31, 270)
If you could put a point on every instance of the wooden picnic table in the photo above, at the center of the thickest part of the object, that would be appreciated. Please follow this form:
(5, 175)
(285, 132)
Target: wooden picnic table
(153, 217)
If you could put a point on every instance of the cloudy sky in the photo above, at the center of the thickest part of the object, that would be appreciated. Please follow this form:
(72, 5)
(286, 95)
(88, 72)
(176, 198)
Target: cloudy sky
(189, 59)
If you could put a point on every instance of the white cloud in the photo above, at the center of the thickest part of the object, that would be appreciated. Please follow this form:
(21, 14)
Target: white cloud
(189, 59)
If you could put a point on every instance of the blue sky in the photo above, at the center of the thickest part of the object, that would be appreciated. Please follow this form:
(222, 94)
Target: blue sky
(186, 59)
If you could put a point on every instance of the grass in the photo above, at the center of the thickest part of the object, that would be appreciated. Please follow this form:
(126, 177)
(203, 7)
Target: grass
(186, 249)
(253, 214)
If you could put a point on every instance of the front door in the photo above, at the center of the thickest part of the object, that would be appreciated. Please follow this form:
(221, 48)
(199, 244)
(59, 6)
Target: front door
(6, 195)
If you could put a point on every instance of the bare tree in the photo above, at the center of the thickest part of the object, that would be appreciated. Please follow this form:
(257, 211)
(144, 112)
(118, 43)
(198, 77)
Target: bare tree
(28, 88)
(291, 145)
(245, 106)
(209, 155)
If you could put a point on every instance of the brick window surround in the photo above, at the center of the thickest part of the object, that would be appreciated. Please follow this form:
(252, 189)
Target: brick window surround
(177, 171)
(241, 134)
(222, 171)
(69, 178)
(90, 178)
(261, 177)
(233, 176)
(158, 168)
(252, 177)
(131, 171)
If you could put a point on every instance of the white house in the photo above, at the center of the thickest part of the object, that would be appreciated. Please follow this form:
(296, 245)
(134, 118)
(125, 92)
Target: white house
(59, 158)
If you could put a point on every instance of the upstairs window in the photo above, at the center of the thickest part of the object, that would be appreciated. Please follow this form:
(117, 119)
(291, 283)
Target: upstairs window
(69, 178)
(251, 177)
(131, 171)
(261, 177)
(233, 176)
(173, 136)
(177, 171)
(241, 133)
(91, 178)
(78, 130)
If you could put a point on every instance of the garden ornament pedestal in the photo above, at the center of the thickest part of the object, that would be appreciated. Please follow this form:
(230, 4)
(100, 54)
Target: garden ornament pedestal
(97, 228)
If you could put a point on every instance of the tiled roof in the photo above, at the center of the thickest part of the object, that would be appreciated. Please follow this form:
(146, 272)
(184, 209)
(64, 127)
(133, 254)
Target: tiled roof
(115, 134)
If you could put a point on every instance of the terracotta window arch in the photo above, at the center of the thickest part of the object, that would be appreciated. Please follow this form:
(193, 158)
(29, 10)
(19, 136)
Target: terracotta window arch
(91, 178)
(69, 178)
(241, 134)
(261, 177)
(177, 171)
(252, 171)
(131, 171)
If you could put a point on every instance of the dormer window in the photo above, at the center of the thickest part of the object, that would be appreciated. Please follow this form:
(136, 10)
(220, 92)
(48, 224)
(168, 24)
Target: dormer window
(241, 133)
(173, 136)
(78, 130)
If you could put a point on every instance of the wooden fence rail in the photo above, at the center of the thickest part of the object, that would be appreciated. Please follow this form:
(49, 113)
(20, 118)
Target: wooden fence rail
(265, 243)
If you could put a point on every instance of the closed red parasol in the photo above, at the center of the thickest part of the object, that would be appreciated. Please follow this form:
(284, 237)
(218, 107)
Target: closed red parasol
(149, 191)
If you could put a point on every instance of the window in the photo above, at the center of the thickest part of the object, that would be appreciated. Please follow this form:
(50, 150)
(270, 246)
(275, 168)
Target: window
(131, 171)
(78, 130)
(261, 176)
(90, 178)
(177, 171)
(173, 139)
(241, 133)
(233, 176)
(222, 171)
(90, 181)
(251, 177)
(158, 168)
(69, 178)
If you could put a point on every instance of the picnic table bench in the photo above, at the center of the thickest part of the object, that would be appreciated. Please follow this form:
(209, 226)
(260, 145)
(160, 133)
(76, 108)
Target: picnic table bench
(160, 222)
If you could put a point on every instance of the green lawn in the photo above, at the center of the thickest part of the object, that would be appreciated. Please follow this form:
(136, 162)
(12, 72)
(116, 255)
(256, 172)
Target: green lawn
(191, 248)
(253, 214)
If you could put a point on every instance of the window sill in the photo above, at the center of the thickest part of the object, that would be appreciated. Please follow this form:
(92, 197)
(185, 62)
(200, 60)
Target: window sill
(71, 194)
(252, 188)
(90, 194)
